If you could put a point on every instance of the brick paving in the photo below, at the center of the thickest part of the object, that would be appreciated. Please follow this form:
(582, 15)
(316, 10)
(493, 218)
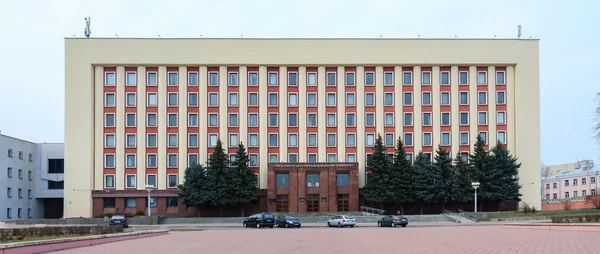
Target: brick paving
(460, 239)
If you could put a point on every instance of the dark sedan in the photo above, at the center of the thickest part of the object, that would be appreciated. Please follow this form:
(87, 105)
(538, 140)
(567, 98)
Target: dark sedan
(118, 220)
(288, 222)
(392, 221)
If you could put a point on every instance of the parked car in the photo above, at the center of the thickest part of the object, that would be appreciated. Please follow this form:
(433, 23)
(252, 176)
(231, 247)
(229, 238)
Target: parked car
(118, 220)
(288, 221)
(392, 221)
(260, 220)
(341, 221)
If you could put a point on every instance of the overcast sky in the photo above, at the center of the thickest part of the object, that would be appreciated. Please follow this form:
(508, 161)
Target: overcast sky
(33, 31)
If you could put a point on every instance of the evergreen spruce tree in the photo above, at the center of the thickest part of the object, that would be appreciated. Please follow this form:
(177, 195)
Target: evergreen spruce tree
(193, 191)
(379, 181)
(484, 171)
(243, 179)
(443, 165)
(426, 180)
(463, 192)
(219, 178)
(402, 171)
(508, 167)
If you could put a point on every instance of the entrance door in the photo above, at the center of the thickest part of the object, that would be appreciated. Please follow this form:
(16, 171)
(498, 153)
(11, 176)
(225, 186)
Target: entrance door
(282, 204)
(312, 203)
(342, 202)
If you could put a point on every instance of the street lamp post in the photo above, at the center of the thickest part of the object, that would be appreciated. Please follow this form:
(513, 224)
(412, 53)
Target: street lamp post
(149, 189)
(475, 186)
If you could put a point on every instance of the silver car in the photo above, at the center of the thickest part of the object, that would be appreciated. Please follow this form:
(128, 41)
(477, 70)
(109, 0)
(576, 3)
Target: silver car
(341, 221)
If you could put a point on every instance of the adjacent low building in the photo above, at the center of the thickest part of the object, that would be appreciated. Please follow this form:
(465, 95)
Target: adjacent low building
(575, 183)
(32, 179)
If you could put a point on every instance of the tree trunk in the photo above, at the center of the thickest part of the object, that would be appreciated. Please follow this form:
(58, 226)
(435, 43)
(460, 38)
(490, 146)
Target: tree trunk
(402, 208)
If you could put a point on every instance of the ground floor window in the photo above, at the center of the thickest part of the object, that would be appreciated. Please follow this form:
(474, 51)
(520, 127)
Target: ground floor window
(282, 203)
(131, 202)
(109, 202)
(342, 202)
(172, 202)
(312, 203)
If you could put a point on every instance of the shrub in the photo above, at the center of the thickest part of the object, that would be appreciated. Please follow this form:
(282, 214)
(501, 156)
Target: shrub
(526, 208)
(591, 218)
(566, 204)
(23, 233)
(140, 213)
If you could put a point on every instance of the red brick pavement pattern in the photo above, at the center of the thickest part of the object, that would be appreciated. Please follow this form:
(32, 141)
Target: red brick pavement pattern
(483, 239)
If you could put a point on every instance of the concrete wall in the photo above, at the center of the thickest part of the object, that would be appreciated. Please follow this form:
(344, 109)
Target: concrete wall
(46, 151)
(24, 164)
(86, 58)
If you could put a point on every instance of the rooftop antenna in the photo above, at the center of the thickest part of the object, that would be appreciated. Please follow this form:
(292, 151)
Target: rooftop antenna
(520, 29)
(87, 31)
(159, 36)
(117, 36)
(419, 36)
(200, 36)
(241, 36)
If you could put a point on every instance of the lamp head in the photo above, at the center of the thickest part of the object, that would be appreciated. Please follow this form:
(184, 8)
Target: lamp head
(148, 187)
(475, 184)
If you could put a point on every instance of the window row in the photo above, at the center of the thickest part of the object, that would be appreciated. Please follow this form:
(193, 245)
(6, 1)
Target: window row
(9, 174)
(574, 182)
(19, 193)
(312, 180)
(132, 202)
(19, 213)
(10, 154)
(131, 181)
(331, 79)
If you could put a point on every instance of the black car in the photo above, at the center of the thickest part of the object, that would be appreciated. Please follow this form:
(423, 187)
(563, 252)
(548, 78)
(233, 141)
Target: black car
(392, 221)
(118, 220)
(260, 220)
(288, 221)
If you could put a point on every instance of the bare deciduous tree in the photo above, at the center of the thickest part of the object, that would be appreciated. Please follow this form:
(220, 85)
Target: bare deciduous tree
(594, 200)
(566, 204)
(545, 170)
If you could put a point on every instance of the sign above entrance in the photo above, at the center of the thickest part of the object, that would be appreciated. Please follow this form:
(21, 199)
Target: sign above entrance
(301, 199)
(323, 199)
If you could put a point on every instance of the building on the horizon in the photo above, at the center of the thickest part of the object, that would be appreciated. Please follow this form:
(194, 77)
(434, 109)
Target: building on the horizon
(573, 185)
(31, 182)
(552, 170)
(138, 111)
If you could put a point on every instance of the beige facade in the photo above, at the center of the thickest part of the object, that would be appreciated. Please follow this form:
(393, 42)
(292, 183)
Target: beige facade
(86, 60)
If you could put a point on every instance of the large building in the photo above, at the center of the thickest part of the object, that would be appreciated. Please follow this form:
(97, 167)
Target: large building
(31, 183)
(138, 111)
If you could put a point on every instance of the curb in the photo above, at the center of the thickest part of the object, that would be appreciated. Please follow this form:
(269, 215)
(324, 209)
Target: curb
(557, 227)
(75, 242)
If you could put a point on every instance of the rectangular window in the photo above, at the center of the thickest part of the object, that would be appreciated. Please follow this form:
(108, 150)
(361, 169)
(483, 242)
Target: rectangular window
(426, 119)
(500, 97)
(501, 117)
(172, 160)
(151, 140)
(388, 99)
(445, 78)
(408, 139)
(109, 140)
(388, 78)
(130, 182)
(369, 78)
(502, 137)
(130, 80)
(350, 99)
(253, 140)
(213, 78)
(292, 99)
(109, 160)
(482, 98)
(292, 78)
(282, 180)
(407, 78)
(370, 140)
(312, 180)
(331, 157)
(350, 157)
(463, 78)
(273, 120)
(253, 160)
(130, 160)
(252, 79)
(109, 181)
(213, 120)
(212, 140)
(445, 99)
(293, 140)
(233, 99)
(172, 120)
(20, 174)
(312, 120)
(464, 118)
(109, 120)
(233, 79)
(426, 99)
(152, 100)
(192, 79)
(445, 118)
(130, 141)
(233, 140)
(331, 97)
(464, 98)
(152, 79)
(482, 78)
(252, 120)
(9, 192)
(252, 99)
(109, 100)
(151, 180)
(482, 118)
(173, 79)
(193, 120)
(389, 119)
(426, 78)
(172, 140)
(273, 100)
(312, 139)
(350, 139)
(483, 136)
(293, 120)
(331, 120)
(370, 119)
(445, 138)
(369, 99)
(192, 99)
(350, 119)
(343, 180)
(311, 78)
(213, 99)
(233, 120)
(312, 157)
(500, 78)
(173, 180)
(273, 79)
(311, 99)
(273, 140)
(331, 140)
(389, 139)
(350, 78)
(109, 79)
(331, 79)
(130, 120)
(172, 99)
(151, 160)
(427, 139)
(408, 99)
(408, 119)
(292, 158)
(109, 202)
(130, 202)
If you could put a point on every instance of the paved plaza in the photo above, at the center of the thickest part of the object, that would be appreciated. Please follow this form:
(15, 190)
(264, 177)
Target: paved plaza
(459, 239)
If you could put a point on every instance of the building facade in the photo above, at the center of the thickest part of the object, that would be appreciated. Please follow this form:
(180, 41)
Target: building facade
(24, 193)
(575, 183)
(549, 171)
(142, 111)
